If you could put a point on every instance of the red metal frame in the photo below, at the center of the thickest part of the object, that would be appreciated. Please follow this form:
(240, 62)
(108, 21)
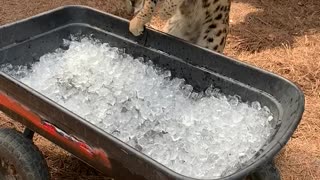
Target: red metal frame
(54, 132)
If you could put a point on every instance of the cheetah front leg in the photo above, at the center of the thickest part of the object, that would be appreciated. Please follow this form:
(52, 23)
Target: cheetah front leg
(136, 26)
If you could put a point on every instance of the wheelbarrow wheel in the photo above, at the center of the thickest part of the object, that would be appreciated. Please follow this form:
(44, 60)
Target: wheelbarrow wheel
(267, 172)
(20, 159)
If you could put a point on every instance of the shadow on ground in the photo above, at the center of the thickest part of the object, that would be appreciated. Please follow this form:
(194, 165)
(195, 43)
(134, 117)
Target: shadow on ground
(271, 23)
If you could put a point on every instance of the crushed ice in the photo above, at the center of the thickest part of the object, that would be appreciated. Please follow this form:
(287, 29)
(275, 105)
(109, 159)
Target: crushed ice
(200, 135)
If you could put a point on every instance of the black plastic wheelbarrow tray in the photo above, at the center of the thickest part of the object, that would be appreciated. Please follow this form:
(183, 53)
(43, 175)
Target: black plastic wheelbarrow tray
(25, 41)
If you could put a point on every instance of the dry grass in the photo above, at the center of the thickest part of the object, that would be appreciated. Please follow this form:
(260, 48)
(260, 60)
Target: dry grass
(279, 36)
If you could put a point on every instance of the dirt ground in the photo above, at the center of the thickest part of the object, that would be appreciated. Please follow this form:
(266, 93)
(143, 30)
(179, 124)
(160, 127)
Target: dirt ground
(280, 36)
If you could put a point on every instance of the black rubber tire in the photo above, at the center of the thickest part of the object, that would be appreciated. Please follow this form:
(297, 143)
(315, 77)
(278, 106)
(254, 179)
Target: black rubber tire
(20, 154)
(266, 172)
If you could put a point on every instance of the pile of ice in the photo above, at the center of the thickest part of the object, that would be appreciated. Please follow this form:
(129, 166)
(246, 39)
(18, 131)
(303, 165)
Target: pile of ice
(201, 135)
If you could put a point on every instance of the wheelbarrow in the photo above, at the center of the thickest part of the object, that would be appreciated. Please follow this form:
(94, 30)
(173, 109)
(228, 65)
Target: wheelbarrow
(25, 41)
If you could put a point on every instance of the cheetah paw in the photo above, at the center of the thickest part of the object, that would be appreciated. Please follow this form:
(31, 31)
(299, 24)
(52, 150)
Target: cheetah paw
(136, 27)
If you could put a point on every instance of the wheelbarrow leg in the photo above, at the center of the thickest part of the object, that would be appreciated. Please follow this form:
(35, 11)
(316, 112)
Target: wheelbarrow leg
(28, 133)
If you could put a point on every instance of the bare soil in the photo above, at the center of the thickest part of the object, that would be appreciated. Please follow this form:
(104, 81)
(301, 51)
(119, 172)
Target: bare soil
(279, 36)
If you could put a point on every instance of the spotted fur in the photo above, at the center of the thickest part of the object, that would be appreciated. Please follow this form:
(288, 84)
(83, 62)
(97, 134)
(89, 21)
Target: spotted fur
(203, 22)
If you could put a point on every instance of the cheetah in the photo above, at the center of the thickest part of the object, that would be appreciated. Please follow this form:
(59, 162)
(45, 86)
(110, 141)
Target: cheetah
(202, 22)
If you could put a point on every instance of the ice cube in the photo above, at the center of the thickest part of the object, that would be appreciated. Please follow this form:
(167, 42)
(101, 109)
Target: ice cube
(199, 134)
